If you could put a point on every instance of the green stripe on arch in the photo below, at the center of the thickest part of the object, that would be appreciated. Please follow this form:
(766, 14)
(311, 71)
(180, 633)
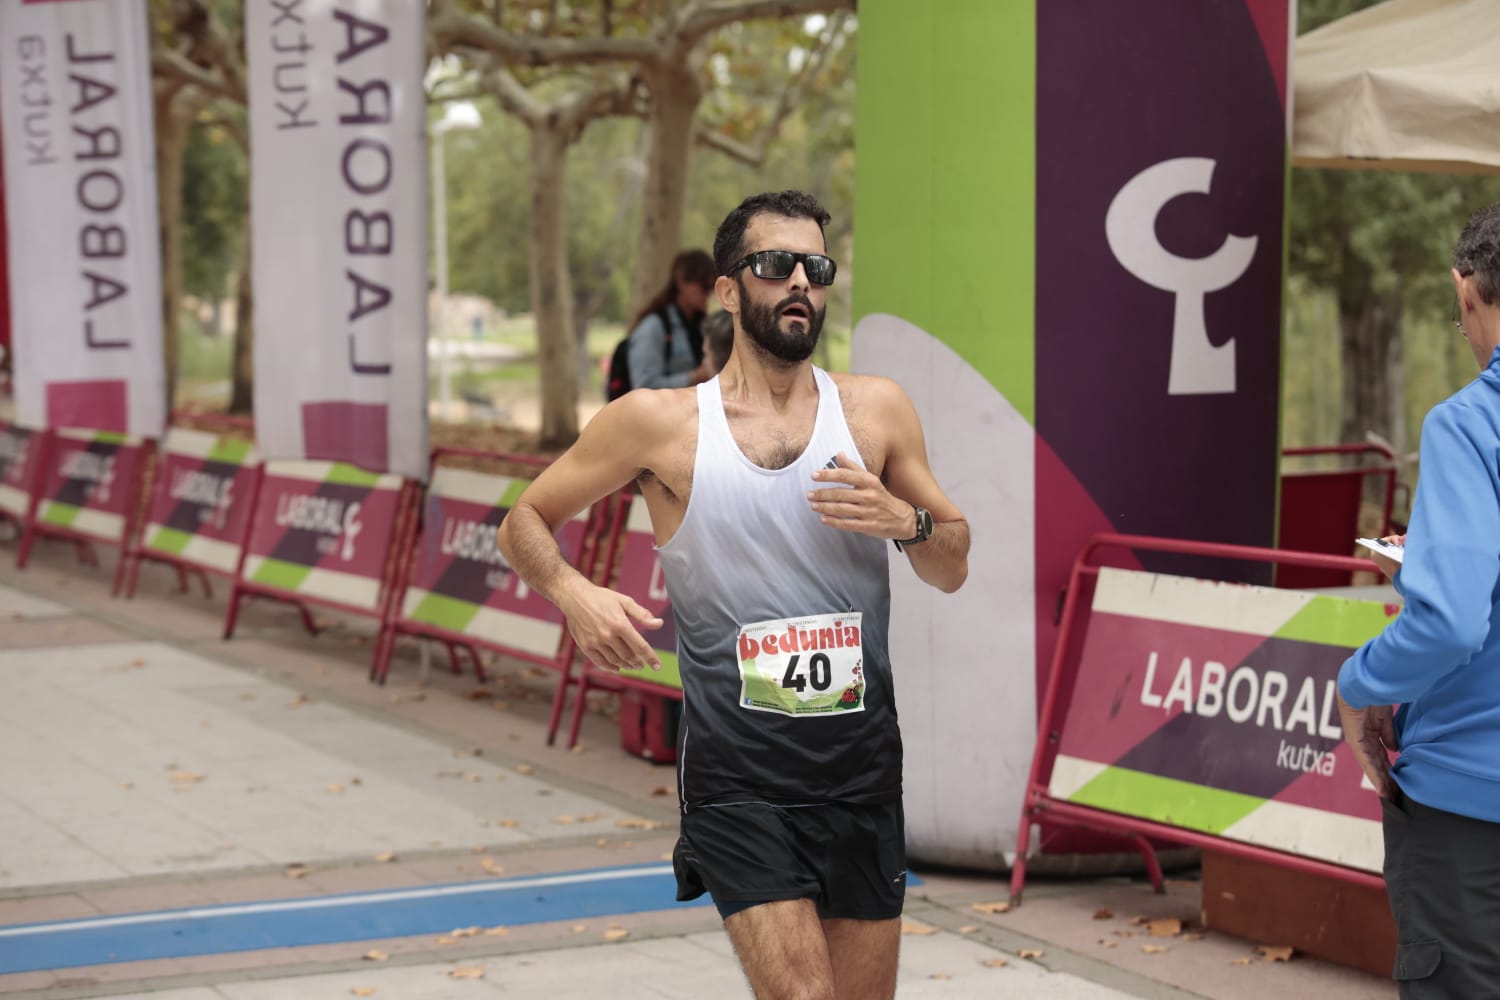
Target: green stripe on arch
(1336, 621)
(1166, 800)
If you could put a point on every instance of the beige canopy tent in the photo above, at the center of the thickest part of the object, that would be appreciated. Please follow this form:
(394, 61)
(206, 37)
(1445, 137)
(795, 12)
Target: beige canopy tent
(1402, 85)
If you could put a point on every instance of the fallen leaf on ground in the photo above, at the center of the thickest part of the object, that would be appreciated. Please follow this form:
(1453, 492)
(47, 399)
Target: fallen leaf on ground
(386, 857)
(1165, 927)
(138, 662)
(544, 791)
(1240, 961)
(1103, 914)
(524, 769)
(659, 791)
(1139, 920)
(1030, 953)
(1153, 949)
(1109, 944)
(185, 777)
(509, 824)
(564, 820)
(475, 778)
(447, 940)
(375, 955)
(994, 963)
(916, 927)
(1123, 933)
(578, 748)
(497, 931)
(1195, 936)
(334, 789)
(296, 871)
(998, 907)
(478, 694)
(636, 823)
(463, 932)
(492, 866)
(363, 991)
(1276, 953)
(940, 975)
(616, 934)
(968, 929)
(580, 928)
(466, 972)
(298, 701)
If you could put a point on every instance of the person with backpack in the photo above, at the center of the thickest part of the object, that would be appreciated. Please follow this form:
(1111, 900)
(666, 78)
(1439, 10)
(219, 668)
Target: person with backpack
(664, 349)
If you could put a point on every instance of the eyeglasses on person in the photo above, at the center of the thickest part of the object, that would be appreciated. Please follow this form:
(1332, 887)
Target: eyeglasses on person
(775, 265)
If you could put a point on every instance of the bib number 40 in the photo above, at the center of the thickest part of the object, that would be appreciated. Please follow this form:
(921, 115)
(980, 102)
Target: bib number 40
(819, 673)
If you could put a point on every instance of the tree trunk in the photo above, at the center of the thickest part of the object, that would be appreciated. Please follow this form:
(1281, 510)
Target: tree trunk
(551, 287)
(173, 113)
(675, 95)
(242, 374)
(1370, 345)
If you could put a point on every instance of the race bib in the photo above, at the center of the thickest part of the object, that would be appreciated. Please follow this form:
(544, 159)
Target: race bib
(803, 666)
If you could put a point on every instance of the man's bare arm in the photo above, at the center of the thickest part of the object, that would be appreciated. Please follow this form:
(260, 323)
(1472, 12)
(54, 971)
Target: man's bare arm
(882, 506)
(943, 560)
(605, 624)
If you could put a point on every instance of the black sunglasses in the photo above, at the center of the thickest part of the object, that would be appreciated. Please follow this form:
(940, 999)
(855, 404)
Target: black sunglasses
(775, 265)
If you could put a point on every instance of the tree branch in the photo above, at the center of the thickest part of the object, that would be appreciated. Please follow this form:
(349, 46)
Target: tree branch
(175, 66)
(451, 29)
(695, 20)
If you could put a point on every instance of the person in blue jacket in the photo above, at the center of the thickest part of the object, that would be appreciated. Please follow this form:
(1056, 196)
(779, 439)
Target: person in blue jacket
(1439, 661)
(666, 342)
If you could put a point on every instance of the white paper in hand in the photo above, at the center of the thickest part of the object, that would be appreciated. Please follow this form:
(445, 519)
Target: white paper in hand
(1392, 552)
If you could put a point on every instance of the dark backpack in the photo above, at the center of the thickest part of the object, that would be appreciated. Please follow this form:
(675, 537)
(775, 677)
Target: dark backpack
(617, 383)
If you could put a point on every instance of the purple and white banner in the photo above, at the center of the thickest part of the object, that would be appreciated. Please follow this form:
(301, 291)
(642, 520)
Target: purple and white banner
(80, 203)
(337, 126)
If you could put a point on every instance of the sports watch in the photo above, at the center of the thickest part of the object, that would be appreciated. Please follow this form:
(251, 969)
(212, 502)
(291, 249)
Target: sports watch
(924, 529)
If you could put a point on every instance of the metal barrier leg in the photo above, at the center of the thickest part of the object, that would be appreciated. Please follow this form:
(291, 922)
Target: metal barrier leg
(579, 705)
(208, 588)
(232, 614)
(307, 619)
(479, 673)
(564, 681)
(1153, 866)
(1018, 868)
(454, 667)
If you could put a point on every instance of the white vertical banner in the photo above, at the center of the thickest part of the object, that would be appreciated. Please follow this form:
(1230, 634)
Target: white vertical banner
(80, 202)
(338, 188)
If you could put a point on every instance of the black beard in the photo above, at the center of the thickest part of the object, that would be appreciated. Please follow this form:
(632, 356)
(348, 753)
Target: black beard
(763, 324)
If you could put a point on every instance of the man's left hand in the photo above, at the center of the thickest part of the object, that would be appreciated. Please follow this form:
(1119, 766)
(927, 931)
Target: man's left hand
(862, 504)
(1370, 733)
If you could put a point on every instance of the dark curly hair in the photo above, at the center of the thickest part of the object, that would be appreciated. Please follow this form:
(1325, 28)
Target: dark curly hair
(729, 242)
(1477, 253)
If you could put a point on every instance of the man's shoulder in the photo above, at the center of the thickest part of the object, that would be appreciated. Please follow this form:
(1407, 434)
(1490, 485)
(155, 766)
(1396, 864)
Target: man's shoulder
(868, 388)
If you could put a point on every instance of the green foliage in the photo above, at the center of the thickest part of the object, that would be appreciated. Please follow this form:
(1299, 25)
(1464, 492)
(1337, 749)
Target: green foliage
(213, 211)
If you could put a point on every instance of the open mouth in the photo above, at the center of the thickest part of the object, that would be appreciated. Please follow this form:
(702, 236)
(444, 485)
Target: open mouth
(795, 311)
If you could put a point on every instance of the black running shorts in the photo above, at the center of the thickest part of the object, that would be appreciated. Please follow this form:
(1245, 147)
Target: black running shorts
(849, 859)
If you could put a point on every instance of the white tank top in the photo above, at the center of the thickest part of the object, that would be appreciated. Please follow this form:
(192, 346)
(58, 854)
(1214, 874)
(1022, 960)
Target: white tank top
(754, 575)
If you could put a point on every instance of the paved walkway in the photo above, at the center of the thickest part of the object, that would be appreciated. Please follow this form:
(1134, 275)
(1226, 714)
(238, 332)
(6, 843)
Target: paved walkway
(191, 819)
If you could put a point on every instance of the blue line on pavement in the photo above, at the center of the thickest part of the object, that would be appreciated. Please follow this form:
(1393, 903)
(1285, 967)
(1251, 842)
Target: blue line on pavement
(362, 916)
(282, 923)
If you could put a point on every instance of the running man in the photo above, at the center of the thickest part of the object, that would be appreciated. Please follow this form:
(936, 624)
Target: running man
(775, 491)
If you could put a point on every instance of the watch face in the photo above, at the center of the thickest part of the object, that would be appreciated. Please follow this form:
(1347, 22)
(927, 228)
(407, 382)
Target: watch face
(924, 522)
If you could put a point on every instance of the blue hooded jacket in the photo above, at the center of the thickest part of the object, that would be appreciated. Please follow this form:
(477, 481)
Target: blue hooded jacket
(1440, 659)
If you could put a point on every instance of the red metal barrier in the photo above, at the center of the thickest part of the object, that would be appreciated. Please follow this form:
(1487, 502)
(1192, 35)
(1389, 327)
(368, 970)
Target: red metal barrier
(76, 496)
(1320, 509)
(274, 568)
(1039, 803)
(469, 613)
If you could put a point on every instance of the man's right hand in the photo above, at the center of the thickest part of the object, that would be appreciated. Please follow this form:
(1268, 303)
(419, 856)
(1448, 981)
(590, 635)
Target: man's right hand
(607, 627)
(1387, 565)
